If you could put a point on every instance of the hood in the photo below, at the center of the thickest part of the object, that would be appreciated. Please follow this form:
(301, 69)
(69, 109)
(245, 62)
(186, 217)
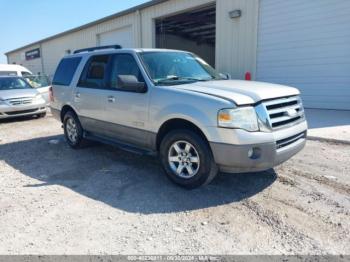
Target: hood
(239, 91)
(17, 93)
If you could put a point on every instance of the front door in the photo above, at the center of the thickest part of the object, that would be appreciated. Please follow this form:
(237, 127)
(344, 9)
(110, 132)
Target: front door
(127, 112)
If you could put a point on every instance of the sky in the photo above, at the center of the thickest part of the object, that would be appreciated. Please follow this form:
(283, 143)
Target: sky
(25, 21)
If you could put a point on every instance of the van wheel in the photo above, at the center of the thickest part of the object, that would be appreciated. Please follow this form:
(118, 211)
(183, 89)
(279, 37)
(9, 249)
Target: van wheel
(73, 130)
(187, 159)
(42, 115)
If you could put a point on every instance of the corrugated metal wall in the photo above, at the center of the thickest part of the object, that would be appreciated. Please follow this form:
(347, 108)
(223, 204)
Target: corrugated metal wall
(236, 39)
(306, 44)
(235, 44)
(34, 65)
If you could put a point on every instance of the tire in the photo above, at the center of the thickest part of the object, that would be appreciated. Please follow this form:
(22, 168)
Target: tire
(42, 115)
(73, 130)
(199, 159)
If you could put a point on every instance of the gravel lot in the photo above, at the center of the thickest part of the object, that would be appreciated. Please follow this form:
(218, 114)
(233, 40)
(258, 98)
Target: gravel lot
(101, 200)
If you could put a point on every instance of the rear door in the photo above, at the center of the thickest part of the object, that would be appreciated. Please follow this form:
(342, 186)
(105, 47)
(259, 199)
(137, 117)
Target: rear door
(91, 92)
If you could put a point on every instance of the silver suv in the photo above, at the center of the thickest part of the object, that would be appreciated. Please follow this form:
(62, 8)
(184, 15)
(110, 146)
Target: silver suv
(172, 103)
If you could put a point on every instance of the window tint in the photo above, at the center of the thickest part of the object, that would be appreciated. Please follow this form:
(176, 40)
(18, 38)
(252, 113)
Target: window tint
(65, 71)
(124, 64)
(8, 73)
(94, 72)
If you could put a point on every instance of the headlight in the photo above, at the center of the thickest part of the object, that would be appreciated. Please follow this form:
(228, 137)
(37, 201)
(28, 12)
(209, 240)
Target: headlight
(2, 102)
(38, 98)
(240, 117)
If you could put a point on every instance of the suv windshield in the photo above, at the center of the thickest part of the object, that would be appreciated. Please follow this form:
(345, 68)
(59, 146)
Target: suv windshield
(37, 81)
(11, 83)
(177, 68)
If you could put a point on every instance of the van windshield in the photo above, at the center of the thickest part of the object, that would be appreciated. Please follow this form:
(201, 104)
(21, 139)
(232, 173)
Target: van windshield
(11, 83)
(169, 68)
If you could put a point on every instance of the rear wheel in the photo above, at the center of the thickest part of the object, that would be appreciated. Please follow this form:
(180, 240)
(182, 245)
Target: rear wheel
(73, 130)
(187, 159)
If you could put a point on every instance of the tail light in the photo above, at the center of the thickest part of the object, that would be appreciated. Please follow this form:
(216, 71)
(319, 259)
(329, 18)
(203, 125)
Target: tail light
(51, 94)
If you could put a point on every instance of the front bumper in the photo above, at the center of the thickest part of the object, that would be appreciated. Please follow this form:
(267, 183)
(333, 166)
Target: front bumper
(17, 111)
(239, 158)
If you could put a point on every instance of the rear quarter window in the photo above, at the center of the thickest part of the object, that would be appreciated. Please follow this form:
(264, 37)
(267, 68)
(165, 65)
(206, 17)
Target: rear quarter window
(65, 71)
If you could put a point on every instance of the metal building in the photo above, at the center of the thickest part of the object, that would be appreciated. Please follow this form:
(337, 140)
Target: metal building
(301, 43)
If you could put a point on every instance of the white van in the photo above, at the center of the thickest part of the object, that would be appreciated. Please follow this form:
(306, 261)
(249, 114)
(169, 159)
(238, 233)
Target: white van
(13, 70)
(39, 82)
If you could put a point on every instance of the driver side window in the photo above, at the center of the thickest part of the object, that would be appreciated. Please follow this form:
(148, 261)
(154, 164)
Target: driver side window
(123, 64)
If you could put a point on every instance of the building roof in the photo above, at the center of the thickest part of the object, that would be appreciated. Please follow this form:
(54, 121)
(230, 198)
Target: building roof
(113, 16)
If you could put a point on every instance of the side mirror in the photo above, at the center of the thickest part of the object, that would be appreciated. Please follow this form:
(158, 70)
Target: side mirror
(225, 76)
(130, 83)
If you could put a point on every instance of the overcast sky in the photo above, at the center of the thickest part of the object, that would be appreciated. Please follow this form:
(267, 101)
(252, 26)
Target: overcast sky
(24, 22)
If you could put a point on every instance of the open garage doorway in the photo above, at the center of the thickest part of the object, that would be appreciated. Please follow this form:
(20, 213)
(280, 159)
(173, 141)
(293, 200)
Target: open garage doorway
(192, 31)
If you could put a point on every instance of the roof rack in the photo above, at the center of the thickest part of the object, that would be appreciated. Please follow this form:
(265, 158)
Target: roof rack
(91, 49)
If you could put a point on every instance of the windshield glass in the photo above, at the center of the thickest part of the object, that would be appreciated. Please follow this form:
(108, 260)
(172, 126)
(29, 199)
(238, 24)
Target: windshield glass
(177, 67)
(37, 81)
(11, 83)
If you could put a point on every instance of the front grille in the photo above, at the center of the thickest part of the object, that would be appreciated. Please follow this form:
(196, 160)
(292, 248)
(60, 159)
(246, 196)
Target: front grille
(284, 111)
(290, 140)
(21, 101)
(21, 112)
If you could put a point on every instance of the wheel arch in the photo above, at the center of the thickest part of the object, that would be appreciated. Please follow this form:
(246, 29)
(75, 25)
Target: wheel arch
(178, 123)
(65, 109)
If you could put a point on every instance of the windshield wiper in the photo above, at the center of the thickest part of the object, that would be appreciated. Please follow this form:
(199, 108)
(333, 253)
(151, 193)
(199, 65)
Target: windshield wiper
(177, 78)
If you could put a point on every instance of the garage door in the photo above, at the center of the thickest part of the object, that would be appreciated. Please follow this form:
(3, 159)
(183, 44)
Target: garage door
(122, 36)
(306, 44)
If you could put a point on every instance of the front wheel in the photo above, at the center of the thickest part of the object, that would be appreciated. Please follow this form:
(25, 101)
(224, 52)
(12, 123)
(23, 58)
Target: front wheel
(73, 130)
(42, 115)
(187, 159)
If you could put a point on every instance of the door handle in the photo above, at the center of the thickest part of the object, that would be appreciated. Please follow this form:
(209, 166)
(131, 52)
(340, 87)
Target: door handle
(77, 97)
(111, 99)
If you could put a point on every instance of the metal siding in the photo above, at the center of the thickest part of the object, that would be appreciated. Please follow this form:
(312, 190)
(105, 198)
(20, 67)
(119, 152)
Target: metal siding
(236, 39)
(33, 65)
(121, 36)
(54, 50)
(306, 44)
(235, 44)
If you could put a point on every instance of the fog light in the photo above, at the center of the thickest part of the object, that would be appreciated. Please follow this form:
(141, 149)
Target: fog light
(254, 153)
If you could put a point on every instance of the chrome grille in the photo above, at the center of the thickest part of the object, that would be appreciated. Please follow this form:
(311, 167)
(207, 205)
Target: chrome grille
(284, 111)
(20, 101)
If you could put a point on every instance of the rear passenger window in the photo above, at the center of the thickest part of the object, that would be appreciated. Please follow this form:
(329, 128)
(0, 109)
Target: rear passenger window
(65, 71)
(94, 74)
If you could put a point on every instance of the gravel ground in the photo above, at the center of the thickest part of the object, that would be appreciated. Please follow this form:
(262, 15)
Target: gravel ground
(101, 200)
